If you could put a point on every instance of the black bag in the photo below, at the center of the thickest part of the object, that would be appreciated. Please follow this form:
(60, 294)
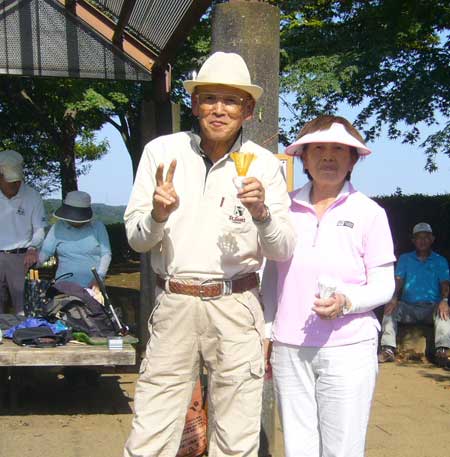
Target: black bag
(36, 300)
(40, 337)
(80, 317)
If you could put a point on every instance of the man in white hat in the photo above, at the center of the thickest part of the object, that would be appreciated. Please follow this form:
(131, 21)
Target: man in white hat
(208, 239)
(21, 230)
(421, 295)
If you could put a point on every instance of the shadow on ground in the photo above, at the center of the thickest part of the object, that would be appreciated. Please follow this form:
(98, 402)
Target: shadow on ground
(46, 391)
(429, 370)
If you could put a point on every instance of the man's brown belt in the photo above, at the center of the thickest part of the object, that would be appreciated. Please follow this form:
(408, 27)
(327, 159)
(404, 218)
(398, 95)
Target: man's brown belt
(210, 288)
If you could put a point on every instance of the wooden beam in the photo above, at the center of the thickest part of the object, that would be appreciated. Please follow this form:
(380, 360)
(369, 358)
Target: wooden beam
(103, 25)
(70, 5)
(124, 17)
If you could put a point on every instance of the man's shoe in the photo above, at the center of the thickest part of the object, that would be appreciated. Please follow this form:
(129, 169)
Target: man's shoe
(386, 355)
(442, 357)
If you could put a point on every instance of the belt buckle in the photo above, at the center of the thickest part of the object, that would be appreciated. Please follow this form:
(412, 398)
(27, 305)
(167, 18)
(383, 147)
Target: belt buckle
(225, 284)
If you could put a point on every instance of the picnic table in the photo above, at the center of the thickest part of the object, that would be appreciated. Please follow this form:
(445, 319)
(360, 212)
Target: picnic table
(72, 354)
(14, 357)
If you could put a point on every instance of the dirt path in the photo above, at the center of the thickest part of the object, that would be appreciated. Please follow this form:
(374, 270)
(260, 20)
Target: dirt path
(411, 412)
(410, 418)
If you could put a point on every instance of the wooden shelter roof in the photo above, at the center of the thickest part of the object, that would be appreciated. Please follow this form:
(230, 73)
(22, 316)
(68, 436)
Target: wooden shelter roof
(108, 39)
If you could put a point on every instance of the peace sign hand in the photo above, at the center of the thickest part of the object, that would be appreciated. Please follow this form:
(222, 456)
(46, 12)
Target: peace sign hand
(165, 199)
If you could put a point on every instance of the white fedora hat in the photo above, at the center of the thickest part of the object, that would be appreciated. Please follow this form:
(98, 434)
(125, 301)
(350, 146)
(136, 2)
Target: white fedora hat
(337, 133)
(225, 68)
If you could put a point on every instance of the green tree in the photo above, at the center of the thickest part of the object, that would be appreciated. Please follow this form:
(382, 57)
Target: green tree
(52, 122)
(388, 58)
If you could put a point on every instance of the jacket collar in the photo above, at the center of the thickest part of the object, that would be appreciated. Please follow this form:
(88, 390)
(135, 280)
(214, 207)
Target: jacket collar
(194, 135)
(302, 196)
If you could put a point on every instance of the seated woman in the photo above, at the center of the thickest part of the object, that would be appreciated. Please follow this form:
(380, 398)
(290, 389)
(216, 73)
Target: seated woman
(79, 242)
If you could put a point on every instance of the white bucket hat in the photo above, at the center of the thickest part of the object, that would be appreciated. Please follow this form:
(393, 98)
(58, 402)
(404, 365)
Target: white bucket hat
(11, 164)
(337, 133)
(76, 207)
(225, 68)
(422, 227)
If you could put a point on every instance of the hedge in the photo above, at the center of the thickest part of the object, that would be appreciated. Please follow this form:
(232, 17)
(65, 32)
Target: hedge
(404, 211)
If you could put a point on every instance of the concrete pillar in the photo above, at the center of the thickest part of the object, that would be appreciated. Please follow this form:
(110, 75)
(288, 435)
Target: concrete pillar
(251, 29)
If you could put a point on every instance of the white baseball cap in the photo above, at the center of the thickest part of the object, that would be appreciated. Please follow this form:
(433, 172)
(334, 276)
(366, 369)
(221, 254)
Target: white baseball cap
(337, 133)
(422, 227)
(11, 165)
(227, 68)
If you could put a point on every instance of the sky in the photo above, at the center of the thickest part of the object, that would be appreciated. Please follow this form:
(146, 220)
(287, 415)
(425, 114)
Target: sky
(391, 165)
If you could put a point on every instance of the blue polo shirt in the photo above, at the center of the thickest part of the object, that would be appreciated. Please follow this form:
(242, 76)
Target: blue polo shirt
(422, 278)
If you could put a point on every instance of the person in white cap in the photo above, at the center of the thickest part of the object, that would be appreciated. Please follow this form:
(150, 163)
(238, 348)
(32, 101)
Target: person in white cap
(78, 241)
(421, 295)
(207, 242)
(22, 229)
(318, 305)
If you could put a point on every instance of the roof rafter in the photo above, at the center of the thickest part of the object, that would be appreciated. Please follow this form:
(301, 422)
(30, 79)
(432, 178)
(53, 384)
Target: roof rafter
(101, 23)
(124, 17)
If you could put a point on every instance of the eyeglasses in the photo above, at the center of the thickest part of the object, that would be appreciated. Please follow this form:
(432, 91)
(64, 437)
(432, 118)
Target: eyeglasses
(231, 102)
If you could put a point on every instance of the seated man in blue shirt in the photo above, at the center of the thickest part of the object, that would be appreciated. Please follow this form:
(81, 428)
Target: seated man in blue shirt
(421, 295)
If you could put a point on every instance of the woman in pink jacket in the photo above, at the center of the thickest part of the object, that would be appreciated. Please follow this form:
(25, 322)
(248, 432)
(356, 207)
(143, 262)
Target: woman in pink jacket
(321, 322)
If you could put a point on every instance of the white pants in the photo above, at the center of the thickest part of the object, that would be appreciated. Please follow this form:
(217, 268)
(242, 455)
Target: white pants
(324, 397)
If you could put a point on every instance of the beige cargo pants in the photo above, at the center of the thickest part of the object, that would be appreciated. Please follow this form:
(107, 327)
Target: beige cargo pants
(227, 334)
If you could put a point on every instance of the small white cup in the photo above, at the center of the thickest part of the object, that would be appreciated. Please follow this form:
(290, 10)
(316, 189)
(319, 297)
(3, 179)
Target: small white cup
(115, 343)
(327, 286)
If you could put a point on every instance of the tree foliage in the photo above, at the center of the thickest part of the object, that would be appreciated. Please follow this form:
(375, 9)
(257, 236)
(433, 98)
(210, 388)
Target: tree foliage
(52, 122)
(388, 58)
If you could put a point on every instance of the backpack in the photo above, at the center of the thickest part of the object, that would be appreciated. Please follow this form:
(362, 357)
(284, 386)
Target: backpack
(80, 316)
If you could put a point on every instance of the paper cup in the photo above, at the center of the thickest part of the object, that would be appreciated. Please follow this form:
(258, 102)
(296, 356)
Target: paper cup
(327, 286)
(115, 343)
